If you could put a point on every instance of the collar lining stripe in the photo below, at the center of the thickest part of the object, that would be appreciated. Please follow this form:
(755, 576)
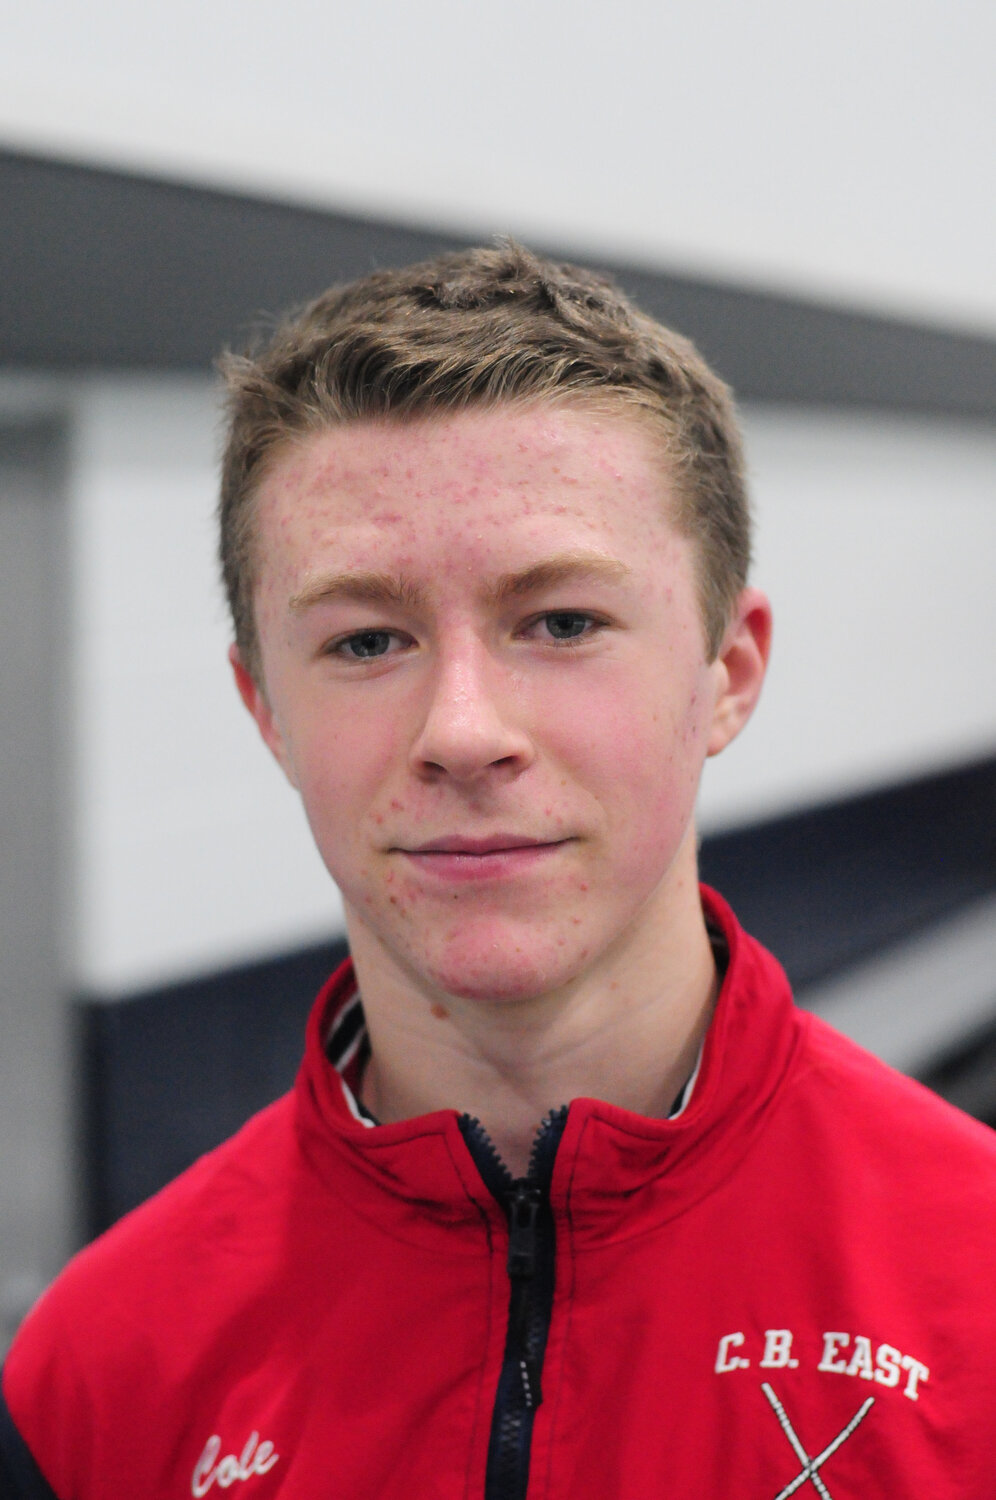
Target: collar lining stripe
(347, 1025)
(355, 1109)
(685, 1097)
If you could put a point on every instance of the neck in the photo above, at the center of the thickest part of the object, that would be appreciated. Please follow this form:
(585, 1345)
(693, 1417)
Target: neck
(628, 1034)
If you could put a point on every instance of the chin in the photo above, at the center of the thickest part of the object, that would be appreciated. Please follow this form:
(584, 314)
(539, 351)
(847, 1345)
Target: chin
(504, 971)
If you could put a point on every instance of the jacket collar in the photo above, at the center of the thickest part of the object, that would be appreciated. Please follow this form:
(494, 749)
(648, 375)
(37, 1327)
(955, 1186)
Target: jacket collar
(617, 1173)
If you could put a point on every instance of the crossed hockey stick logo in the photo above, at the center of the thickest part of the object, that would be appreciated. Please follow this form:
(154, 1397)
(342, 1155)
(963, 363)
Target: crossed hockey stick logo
(810, 1471)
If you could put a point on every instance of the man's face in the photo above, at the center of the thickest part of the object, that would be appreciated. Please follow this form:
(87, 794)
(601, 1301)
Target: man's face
(484, 669)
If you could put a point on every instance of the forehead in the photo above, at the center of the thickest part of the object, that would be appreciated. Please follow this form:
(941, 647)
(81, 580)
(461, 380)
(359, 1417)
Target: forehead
(495, 465)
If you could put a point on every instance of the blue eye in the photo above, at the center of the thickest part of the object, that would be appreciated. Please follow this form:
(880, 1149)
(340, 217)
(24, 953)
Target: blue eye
(567, 625)
(366, 644)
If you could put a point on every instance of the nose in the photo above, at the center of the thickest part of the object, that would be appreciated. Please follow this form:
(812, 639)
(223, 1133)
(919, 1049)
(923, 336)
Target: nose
(472, 723)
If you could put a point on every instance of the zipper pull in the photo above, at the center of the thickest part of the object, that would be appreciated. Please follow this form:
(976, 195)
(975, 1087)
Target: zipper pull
(523, 1212)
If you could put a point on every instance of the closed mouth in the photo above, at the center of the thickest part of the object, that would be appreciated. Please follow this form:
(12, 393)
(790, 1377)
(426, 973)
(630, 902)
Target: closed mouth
(502, 843)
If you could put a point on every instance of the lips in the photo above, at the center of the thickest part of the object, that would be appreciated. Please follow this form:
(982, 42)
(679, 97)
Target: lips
(497, 843)
(502, 856)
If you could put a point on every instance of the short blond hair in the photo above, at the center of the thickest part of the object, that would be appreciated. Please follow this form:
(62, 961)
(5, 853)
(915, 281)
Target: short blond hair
(475, 328)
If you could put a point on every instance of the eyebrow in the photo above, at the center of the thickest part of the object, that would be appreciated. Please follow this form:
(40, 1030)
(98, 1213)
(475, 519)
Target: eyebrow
(383, 588)
(360, 588)
(568, 567)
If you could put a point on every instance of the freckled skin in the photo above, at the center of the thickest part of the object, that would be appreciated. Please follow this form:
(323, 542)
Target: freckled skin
(475, 721)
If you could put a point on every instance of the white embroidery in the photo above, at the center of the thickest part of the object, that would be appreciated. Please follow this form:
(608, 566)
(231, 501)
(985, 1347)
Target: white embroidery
(843, 1354)
(255, 1458)
(727, 1361)
(810, 1471)
(778, 1350)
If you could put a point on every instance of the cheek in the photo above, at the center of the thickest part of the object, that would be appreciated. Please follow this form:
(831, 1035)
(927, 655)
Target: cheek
(340, 764)
(655, 777)
(636, 735)
(647, 760)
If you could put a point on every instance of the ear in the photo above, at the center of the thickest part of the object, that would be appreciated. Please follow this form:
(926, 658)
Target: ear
(742, 662)
(256, 701)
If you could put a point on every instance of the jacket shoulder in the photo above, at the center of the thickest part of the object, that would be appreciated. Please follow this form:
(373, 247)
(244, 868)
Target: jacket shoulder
(866, 1076)
(882, 1116)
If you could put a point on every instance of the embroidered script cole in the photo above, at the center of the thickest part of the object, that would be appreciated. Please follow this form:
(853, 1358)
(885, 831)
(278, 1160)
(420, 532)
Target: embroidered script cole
(255, 1458)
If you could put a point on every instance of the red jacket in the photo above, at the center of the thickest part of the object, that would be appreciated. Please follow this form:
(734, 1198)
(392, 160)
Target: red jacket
(787, 1289)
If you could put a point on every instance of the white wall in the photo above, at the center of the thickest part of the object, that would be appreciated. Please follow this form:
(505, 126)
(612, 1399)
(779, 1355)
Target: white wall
(839, 147)
(191, 851)
(875, 539)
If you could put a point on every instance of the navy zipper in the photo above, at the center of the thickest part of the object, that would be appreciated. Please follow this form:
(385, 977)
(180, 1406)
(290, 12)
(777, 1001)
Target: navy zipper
(530, 1265)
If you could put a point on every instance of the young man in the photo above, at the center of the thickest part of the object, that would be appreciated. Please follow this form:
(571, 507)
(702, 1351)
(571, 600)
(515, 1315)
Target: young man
(568, 1201)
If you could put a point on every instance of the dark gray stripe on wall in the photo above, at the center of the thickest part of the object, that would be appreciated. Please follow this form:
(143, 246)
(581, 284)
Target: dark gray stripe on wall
(171, 1072)
(104, 269)
(825, 887)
